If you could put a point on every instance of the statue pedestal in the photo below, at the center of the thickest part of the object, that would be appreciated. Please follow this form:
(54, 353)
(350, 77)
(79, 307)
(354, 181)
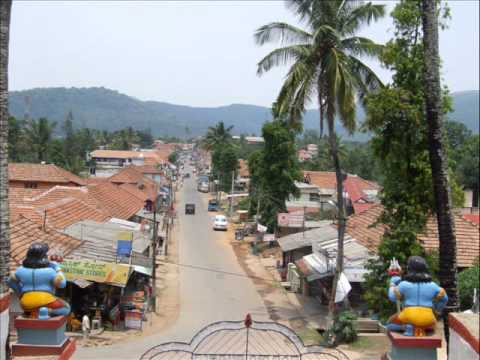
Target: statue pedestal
(409, 347)
(43, 338)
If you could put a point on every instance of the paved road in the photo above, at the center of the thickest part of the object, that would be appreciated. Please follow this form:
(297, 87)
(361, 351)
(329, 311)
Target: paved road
(205, 296)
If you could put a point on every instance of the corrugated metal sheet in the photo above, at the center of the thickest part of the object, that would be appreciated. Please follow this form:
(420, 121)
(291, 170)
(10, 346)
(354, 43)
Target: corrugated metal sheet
(100, 242)
(306, 238)
(322, 261)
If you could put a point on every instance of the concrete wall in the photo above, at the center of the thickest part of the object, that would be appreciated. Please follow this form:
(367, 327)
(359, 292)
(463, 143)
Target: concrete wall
(4, 322)
(464, 337)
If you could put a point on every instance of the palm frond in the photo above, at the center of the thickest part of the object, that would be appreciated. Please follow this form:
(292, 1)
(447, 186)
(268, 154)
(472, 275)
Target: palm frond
(282, 56)
(362, 15)
(361, 46)
(283, 32)
(346, 95)
(302, 97)
(367, 80)
(325, 34)
(302, 8)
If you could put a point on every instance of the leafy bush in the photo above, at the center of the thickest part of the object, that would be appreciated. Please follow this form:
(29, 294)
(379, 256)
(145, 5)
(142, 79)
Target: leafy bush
(467, 281)
(244, 204)
(343, 329)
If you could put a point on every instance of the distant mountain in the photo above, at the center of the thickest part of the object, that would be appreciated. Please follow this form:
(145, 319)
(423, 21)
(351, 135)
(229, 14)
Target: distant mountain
(466, 109)
(107, 109)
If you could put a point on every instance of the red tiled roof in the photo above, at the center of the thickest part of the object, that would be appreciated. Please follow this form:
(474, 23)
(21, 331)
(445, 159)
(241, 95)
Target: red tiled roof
(119, 202)
(116, 154)
(22, 196)
(468, 242)
(42, 172)
(64, 213)
(130, 175)
(96, 180)
(135, 191)
(473, 218)
(61, 205)
(361, 207)
(67, 192)
(322, 179)
(30, 212)
(149, 169)
(23, 232)
(355, 187)
(362, 228)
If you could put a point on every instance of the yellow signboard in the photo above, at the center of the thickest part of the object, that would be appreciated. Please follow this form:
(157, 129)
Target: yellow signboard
(96, 271)
(125, 235)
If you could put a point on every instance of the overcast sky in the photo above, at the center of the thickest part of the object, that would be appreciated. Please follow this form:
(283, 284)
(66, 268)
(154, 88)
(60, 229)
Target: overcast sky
(186, 52)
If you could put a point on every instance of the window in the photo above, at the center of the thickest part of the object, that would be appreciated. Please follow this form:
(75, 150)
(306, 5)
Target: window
(314, 197)
(31, 185)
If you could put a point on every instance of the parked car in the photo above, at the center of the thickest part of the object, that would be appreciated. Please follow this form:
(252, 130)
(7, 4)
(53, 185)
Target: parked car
(202, 178)
(220, 222)
(203, 187)
(212, 205)
(189, 209)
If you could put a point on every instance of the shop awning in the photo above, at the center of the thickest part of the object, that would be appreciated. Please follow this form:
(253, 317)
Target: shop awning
(82, 283)
(142, 270)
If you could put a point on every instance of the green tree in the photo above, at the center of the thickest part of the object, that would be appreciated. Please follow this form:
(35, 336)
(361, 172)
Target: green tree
(457, 135)
(173, 157)
(39, 134)
(120, 140)
(145, 138)
(396, 116)
(15, 130)
(467, 281)
(274, 171)
(218, 135)
(226, 165)
(468, 167)
(70, 145)
(326, 64)
(5, 11)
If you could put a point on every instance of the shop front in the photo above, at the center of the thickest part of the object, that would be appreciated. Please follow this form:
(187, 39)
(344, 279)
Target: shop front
(101, 291)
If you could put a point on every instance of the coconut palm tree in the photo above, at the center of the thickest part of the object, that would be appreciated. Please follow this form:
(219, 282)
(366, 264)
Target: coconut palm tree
(217, 135)
(438, 157)
(39, 135)
(326, 68)
(5, 10)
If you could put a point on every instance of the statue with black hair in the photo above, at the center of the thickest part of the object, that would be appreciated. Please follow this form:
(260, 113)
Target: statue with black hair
(419, 296)
(35, 283)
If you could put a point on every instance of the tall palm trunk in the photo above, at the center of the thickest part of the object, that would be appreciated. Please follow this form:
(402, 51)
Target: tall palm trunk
(332, 137)
(438, 159)
(5, 10)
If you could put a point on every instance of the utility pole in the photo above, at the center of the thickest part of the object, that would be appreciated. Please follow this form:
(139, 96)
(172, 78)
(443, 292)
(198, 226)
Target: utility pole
(231, 194)
(154, 258)
(303, 224)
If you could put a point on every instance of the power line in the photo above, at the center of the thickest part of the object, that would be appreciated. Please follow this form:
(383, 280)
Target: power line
(196, 267)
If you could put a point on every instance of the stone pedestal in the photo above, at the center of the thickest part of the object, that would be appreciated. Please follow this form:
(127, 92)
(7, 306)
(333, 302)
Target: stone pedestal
(409, 347)
(43, 338)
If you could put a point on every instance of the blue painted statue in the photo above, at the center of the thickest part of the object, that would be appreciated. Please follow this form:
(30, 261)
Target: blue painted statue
(418, 294)
(35, 283)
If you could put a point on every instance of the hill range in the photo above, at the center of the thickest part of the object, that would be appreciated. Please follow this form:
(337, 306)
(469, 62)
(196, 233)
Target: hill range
(106, 109)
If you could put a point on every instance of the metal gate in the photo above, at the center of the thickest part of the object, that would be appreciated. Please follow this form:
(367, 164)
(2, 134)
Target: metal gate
(243, 340)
